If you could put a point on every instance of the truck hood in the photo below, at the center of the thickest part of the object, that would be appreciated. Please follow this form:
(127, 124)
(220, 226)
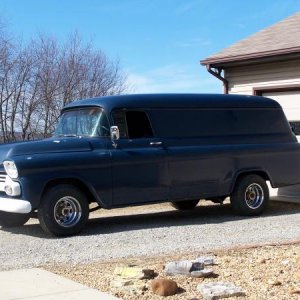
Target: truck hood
(52, 145)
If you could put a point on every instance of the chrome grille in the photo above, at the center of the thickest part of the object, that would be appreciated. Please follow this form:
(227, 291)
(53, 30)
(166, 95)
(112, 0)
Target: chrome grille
(2, 180)
(2, 177)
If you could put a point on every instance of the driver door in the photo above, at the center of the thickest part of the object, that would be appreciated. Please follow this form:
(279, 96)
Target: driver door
(139, 161)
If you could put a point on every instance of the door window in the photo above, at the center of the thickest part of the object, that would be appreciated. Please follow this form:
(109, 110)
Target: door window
(133, 124)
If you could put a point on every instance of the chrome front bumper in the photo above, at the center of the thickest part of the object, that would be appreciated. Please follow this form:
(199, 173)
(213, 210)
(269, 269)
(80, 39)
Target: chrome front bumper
(17, 206)
(12, 204)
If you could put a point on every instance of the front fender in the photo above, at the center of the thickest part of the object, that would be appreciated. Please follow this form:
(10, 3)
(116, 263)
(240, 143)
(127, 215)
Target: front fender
(91, 169)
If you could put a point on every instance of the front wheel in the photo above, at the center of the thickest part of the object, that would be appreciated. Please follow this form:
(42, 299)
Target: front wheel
(185, 205)
(13, 219)
(64, 210)
(250, 196)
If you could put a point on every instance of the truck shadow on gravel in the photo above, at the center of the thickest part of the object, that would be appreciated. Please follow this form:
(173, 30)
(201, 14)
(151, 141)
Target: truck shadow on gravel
(209, 214)
(212, 214)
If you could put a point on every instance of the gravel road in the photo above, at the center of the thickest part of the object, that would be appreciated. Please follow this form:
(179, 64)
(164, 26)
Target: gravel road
(148, 230)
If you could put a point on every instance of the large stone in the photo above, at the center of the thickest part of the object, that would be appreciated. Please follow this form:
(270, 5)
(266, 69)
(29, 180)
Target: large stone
(129, 272)
(219, 290)
(120, 282)
(136, 288)
(164, 287)
(183, 267)
(202, 273)
(128, 285)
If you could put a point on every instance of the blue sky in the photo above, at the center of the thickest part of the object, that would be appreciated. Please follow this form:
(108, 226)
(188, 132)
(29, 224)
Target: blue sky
(159, 42)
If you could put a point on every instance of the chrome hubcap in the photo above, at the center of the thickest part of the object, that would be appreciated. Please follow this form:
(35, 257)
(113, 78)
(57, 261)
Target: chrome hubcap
(67, 211)
(254, 196)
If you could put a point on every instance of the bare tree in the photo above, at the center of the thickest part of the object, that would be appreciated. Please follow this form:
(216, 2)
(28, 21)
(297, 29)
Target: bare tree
(89, 73)
(38, 79)
(7, 82)
(28, 106)
(48, 76)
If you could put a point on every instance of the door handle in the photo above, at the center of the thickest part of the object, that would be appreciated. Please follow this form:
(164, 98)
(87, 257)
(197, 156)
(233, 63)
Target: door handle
(155, 143)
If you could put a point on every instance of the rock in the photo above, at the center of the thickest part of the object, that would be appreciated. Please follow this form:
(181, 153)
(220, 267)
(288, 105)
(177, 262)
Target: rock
(218, 290)
(294, 291)
(128, 279)
(164, 287)
(183, 267)
(120, 282)
(197, 266)
(148, 274)
(298, 274)
(227, 274)
(262, 261)
(286, 262)
(274, 282)
(136, 288)
(129, 272)
(206, 260)
(202, 273)
(128, 286)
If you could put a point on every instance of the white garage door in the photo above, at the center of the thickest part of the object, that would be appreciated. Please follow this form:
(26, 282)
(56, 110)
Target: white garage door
(290, 102)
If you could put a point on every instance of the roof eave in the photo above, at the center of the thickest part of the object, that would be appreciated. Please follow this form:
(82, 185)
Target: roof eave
(252, 58)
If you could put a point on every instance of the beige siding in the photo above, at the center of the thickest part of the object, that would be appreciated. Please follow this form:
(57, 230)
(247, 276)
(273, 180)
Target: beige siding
(242, 80)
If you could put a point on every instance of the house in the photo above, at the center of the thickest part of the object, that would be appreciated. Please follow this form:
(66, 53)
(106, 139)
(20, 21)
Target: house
(266, 63)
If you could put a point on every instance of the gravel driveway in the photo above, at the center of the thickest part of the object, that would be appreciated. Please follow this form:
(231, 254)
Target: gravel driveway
(149, 230)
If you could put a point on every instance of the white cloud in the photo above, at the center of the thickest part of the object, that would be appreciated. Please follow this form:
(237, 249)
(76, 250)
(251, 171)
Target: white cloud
(174, 79)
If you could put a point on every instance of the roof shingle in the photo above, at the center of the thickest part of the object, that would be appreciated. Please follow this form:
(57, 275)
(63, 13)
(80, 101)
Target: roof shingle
(278, 39)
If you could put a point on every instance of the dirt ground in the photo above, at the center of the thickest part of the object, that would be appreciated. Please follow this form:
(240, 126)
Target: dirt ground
(264, 272)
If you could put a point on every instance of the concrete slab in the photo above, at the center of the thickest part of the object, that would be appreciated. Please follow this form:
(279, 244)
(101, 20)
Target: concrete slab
(39, 284)
(287, 199)
(289, 194)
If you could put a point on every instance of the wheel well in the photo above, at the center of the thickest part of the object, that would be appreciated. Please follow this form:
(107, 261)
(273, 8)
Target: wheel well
(262, 174)
(72, 181)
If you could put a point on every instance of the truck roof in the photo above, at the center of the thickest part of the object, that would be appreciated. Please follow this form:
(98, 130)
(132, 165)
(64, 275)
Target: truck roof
(135, 101)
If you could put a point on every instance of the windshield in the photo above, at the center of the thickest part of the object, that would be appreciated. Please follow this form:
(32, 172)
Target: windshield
(90, 121)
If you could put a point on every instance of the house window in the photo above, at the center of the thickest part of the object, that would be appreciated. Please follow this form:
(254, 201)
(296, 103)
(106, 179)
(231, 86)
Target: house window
(295, 125)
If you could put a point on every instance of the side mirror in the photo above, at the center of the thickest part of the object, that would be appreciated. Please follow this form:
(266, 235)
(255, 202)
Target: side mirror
(114, 133)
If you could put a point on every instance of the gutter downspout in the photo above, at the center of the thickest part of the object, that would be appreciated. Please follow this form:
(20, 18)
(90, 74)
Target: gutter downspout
(217, 73)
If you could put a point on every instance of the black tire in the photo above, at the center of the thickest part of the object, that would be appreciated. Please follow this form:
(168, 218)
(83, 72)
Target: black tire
(185, 205)
(12, 219)
(64, 210)
(250, 196)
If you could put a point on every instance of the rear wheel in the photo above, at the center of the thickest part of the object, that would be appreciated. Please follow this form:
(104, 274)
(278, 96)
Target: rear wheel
(64, 210)
(250, 196)
(12, 219)
(185, 205)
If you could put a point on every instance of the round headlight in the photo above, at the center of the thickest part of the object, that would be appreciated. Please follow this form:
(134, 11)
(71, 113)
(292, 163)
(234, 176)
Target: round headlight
(11, 169)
